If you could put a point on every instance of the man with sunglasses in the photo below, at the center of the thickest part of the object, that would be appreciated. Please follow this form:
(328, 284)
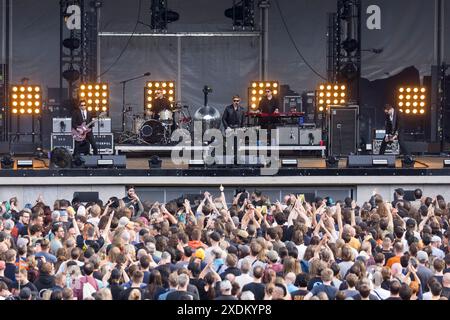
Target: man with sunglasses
(234, 114)
(269, 103)
(80, 116)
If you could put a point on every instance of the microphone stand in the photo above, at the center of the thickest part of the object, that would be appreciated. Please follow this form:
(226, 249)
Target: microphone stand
(123, 83)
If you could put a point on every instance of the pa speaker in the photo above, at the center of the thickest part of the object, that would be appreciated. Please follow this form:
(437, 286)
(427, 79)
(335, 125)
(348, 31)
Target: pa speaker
(105, 161)
(370, 161)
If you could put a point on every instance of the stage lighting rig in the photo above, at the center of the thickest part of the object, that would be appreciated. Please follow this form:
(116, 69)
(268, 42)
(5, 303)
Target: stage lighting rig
(243, 14)
(7, 162)
(26, 99)
(330, 94)
(256, 92)
(154, 162)
(96, 96)
(412, 99)
(332, 162)
(167, 87)
(408, 161)
(161, 15)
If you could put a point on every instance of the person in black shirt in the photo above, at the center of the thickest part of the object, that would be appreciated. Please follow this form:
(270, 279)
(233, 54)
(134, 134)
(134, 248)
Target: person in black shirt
(258, 288)
(233, 115)
(181, 293)
(392, 130)
(80, 116)
(160, 103)
(269, 103)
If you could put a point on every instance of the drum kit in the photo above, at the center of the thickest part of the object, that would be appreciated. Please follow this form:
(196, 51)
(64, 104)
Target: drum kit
(157, 130)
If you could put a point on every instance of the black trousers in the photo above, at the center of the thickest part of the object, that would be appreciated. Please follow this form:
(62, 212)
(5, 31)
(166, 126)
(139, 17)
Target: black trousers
(83, 146)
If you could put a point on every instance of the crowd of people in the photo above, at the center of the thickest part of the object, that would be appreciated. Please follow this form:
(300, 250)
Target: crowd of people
(213, 248)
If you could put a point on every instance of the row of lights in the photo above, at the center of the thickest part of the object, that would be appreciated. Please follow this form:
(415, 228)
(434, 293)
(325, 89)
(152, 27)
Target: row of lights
(257, 91)
(167, 88)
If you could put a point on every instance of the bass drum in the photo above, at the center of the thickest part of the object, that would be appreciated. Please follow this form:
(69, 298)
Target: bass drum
(152, 131)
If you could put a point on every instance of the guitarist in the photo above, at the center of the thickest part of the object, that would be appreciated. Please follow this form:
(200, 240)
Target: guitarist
(391, 122)
(80, 116)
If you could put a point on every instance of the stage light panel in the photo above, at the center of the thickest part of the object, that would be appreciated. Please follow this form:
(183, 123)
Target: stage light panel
(256, 92)
(25, 99)
(330, 93)
(411, 100)
(93, 92)
(168, 88)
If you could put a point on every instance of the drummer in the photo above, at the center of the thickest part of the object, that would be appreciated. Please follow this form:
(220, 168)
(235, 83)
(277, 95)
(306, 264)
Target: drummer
(160, 103)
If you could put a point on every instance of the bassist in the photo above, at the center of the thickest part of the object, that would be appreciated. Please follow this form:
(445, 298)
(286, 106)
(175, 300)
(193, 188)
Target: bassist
(79, 117)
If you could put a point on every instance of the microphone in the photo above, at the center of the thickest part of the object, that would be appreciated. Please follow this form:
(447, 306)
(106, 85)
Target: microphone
(147, 74)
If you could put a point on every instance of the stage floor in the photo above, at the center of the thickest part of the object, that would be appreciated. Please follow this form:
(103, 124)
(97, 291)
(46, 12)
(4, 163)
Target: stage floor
(141, 163)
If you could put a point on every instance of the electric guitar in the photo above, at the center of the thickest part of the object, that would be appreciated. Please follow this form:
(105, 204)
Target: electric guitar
(79, 134)
(389, 138)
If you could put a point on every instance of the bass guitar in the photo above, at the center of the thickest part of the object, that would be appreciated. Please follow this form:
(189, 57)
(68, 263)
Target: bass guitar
(79, 134)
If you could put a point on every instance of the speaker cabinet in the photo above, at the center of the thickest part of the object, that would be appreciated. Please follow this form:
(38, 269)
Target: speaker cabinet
(343, 130)
(105, 161)
(370, 161)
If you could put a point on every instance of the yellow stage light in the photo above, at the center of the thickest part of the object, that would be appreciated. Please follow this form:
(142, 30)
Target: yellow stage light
(28, 98)
(413, 99)
(94, 91)
(334, 93)
(150, 95)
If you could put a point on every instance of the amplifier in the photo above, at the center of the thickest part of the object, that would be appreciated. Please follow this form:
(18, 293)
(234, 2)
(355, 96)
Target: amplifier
(310, 137)
(288, 136)
(62, 125)
(392, 148)
(62, 140)
(292, 102)
(105, 126)
(105, 143)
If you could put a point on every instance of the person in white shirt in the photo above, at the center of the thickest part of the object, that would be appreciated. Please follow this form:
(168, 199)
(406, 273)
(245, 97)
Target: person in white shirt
(245, 277)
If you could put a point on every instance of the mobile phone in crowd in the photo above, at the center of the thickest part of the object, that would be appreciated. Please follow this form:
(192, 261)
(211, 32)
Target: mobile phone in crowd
(301, 197)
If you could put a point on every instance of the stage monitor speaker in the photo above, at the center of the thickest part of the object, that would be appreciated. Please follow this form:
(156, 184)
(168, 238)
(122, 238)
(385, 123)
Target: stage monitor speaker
(343, 130)
(370, 161)
(86, 196)
(105, 161)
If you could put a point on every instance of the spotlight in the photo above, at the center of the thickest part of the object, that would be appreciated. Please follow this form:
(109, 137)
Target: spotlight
(71, 75)
(7, 162)
(332, 162)
(350, 45)
(60, 158)
(243, 15)
(408, 161)
(154, 162)
(349, 71)
(71, 43)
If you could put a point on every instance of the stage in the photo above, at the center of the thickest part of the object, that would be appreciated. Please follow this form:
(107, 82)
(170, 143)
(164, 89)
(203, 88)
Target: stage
(311, 174)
